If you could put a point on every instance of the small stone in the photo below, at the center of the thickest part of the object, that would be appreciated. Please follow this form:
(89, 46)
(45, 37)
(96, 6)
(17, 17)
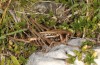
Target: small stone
(76, 42)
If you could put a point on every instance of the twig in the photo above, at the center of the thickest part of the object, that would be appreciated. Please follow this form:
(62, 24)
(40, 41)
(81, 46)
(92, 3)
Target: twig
(4, 13)
(14, 15)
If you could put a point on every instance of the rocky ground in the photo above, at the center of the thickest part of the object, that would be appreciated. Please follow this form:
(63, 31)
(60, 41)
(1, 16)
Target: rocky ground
(58, 55)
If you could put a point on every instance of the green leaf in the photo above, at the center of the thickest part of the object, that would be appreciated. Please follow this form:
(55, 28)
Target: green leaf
(14, 60)
(8, 62)
(2, 62)
(3, 0)
(18, 31)
(71, 60)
